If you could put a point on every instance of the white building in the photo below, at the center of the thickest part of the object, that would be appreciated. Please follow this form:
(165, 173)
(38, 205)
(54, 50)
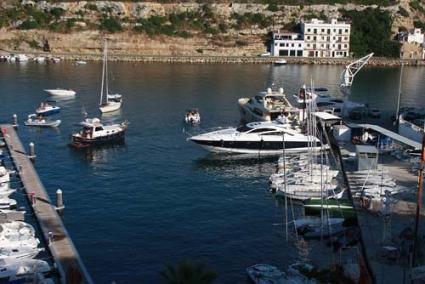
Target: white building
(326, 39)
(287, 44)
(415, 35)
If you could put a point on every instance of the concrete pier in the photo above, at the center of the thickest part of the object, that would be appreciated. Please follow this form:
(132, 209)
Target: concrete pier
(65, 256)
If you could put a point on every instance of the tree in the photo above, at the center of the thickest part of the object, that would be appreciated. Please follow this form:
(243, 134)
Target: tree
(186, 272)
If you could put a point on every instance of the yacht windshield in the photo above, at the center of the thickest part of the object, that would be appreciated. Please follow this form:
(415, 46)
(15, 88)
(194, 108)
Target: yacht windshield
(243, 128)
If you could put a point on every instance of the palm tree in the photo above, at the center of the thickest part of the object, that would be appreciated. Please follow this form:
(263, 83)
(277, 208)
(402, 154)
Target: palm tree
(186, 272)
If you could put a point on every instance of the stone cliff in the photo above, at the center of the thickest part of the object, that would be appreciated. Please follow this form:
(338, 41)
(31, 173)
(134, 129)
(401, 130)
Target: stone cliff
(148, 28)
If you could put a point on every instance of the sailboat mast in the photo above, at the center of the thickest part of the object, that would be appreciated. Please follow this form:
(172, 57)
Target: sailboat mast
(418, 203)
(285, 184)
(103, 74)
(397, 114)
(106, 71)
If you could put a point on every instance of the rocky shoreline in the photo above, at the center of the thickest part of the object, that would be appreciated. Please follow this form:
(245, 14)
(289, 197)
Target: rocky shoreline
(377, 61)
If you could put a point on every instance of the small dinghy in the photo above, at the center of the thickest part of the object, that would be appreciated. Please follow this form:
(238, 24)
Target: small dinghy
(60, 92)
(192, 116)
(46, 108)
(280, 62)
(80, 62)
(39, 121)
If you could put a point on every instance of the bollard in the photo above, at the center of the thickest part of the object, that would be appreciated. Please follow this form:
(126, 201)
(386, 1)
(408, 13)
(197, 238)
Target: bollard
(15, 121)
(50, 238)
(59, 201)
(32, 198)
(32, 151)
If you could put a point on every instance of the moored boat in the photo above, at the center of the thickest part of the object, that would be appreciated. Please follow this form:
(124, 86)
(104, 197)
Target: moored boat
(108, 102)
(265, 106)
(60, 92)
(39, 121)
(257, 138)
(46, 108)
(95, 133)
(280, 62)
(192, 116)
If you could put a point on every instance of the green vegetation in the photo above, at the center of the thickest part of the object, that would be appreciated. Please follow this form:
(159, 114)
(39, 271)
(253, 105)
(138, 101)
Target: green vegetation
(419, 24)
(280, 2)
(403, 12)
(188, 272)
(110, 24)
(57, 12)
(418, 5)
(91, 7)
(179, 24)
(250, 19)
(371, 32)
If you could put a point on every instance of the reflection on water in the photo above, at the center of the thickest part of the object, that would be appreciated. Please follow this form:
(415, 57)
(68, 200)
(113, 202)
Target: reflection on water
(238, 165)
(100, 154)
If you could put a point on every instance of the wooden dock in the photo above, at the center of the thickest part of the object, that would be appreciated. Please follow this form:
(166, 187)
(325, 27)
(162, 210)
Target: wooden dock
(66, 258)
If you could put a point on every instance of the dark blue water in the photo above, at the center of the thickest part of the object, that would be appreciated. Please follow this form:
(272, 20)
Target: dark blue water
(157, 199)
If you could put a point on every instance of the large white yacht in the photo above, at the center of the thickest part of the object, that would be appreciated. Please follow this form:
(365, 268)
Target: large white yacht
(265, 106)
(257, 138)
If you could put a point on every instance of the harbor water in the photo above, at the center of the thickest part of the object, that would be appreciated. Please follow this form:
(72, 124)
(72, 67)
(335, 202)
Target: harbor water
(158, 198)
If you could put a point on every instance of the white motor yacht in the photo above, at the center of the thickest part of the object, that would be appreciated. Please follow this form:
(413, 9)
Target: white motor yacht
(265, 106)
(21, 252)
(60, 92)
(257, 138)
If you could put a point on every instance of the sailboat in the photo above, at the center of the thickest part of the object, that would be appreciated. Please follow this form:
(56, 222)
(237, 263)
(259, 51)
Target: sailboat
(108, 102)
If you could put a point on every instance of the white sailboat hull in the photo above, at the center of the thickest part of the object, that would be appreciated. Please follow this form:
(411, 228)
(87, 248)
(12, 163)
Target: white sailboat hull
(110, 106)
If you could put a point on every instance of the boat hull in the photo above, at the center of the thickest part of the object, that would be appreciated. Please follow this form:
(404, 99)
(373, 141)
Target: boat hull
(81, 142)
(60, 92)
(49, 112)
(244, 147)
(110, 107)
(48, 124)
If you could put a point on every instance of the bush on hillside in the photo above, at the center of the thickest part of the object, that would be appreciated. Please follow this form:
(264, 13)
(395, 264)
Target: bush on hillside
(111, 24)
(371, 32)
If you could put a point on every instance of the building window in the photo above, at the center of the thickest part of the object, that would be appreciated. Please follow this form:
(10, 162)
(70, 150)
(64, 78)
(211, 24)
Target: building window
(308, 37)
(308, 45)
(345, 45)
(292, 53)
(299, 45)
(345, 38)
(329, 31)
(340, 31)
(346, 30)
(282, 44)
(308, 30)
(334, 30)
(299, 53)
(314, 38)
(292, 45)
(315, 31)
(323, 30)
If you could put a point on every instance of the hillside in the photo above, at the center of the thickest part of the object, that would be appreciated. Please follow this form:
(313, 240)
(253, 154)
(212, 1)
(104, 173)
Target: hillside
(193, 28)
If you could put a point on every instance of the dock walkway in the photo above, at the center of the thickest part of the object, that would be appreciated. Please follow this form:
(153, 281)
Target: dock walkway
(395, 136)
(65, 255)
